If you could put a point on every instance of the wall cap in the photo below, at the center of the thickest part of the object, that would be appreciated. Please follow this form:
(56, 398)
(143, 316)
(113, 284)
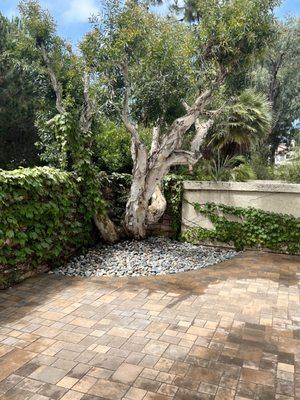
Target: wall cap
(251, 186)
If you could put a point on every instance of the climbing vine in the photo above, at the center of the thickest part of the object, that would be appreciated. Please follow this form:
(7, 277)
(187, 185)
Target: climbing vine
(173, 190)
(247, 227)
(74, 153)
(44, 218)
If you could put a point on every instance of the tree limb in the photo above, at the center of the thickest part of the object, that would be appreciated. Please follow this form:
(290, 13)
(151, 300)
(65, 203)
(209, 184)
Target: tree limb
(172, 140)
(181, 157)
(54, 81)
(125, 110)
(202, 129)
(89, 105)
(155, 140)
(185, 105)
(107, 228)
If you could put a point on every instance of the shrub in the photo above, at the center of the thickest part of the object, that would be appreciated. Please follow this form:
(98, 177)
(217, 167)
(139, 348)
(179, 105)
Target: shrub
(289, 172)
(223, 168)
(115, 190)
(43, 218)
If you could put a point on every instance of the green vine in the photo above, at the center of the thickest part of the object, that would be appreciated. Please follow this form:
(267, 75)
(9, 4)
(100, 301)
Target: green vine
(173, 190)
(247, 227)
(75, 154)
(44, 218)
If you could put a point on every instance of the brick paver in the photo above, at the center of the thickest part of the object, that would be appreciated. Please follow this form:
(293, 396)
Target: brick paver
(230, 331)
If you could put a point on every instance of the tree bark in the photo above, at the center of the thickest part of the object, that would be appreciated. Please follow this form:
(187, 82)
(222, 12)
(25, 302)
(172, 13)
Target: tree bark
(157, 207)
(136, 207)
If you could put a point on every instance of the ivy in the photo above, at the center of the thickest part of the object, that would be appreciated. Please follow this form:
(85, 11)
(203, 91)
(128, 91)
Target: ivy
(173, 190)
(247, 227)
(44, 217)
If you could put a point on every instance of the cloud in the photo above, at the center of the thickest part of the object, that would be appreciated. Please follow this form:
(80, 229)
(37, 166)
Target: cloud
(80, 11)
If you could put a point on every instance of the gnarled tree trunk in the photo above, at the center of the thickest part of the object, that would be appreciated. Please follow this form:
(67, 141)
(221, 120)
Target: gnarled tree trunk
(146, 203)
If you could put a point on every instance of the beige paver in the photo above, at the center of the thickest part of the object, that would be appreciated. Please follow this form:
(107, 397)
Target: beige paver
(230, 331)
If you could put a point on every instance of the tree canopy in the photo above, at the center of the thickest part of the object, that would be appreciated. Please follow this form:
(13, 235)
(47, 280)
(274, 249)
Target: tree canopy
(278, 76)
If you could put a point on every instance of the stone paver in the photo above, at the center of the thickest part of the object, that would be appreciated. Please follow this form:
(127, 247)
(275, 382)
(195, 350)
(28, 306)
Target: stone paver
(230, 331)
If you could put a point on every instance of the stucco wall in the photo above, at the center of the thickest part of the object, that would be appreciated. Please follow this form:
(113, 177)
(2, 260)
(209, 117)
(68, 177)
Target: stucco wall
(272, 196)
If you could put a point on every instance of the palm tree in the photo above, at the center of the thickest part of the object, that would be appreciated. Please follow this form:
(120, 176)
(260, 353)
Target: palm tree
(244, 123)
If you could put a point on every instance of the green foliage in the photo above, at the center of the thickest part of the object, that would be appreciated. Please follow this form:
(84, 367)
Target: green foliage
(43, 216)
(242, 173)
(113, 148)
(115, 190)
(66, 132)
(250, 118)
(19, 89)
(173, 191)
(289, 172)
(259, 161)
(224, 168)
(277, 75)
(243, 123)
(39, 22)
(112, 153)
(158, 53)
(248, 227)
(165, 72)
(229, 33)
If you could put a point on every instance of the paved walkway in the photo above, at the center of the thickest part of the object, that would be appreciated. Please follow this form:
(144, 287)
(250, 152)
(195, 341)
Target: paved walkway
(230, 331)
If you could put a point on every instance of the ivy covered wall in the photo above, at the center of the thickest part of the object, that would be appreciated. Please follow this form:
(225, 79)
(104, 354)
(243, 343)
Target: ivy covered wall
(43, 220)
(247, 228)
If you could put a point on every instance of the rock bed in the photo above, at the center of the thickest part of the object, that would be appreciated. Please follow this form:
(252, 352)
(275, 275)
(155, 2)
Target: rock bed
(154, 256)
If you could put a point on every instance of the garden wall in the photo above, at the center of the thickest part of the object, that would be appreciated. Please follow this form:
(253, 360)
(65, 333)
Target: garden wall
(273, 196)
(264, 214)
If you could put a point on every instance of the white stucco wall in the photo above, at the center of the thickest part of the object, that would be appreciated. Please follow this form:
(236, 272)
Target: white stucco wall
(283, 198)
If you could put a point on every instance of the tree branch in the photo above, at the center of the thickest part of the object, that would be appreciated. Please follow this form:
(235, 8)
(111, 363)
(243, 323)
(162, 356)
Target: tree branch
(185, 105)
(181, 157)
(155, 140)
(89, 105)
(54, 81)
(173, 139)
(202, 129)
(125, 110)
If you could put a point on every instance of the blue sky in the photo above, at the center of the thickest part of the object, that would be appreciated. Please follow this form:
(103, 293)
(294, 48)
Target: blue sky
(72, 15)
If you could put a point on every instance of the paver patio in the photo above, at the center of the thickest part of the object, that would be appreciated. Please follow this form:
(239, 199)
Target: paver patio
(231, 331)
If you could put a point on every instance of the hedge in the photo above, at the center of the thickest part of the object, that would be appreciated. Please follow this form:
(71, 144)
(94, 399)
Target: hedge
(42, 219)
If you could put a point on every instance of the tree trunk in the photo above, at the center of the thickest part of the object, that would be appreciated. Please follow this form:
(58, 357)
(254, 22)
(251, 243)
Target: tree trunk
(157, 207)
(136, 207)
(135, 220)
(107, 229)
(145, 206)
(146, 203)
